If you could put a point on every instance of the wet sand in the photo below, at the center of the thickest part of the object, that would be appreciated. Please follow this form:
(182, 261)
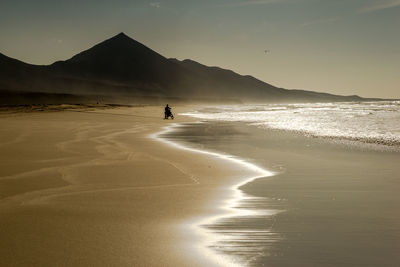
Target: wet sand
(330, 203)
(90, 188)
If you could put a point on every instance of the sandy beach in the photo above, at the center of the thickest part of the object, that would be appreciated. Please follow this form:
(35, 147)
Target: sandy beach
(91, 188)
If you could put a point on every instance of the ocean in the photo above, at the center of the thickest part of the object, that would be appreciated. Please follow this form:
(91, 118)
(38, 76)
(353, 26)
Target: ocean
(370, 122)
(333, 198)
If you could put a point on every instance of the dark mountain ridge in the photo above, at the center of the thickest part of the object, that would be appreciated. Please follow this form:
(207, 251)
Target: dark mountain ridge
(119, 58)
(121, 68)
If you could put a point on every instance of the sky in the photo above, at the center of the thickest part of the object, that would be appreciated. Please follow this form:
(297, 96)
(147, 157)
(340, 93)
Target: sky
(343, 47)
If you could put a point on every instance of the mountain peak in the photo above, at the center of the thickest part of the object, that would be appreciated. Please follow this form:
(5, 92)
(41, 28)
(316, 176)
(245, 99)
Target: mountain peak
(120, 47)
(119, 58)
(120, 38)
(121, 35)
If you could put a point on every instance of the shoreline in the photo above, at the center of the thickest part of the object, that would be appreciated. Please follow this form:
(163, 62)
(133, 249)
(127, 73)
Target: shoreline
(230, 205)
(93, 188)
(340, 200)
(71, 181)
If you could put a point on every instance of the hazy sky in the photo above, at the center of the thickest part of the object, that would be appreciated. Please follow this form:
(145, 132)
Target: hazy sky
(337, 46)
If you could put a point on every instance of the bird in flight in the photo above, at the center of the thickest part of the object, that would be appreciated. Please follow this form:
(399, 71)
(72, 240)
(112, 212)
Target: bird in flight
(266, 51)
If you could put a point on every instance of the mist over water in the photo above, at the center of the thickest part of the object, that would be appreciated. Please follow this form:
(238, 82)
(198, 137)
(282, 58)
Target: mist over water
(370, 122)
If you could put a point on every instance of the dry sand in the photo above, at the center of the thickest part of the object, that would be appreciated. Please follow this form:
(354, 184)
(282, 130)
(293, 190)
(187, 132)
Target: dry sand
(92, 189)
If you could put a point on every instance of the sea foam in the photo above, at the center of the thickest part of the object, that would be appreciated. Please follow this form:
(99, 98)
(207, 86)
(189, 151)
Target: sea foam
(369, 122)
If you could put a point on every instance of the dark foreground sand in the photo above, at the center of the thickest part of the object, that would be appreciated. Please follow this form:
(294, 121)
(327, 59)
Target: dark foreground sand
(92, 189)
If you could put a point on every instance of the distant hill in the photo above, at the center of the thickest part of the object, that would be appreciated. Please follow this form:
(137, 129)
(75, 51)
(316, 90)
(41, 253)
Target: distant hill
(122, 69)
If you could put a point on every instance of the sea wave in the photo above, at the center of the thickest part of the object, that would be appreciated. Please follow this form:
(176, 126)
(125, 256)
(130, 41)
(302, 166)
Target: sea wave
(368, 122)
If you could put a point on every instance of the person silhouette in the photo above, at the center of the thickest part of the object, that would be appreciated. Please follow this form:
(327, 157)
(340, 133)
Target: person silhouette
(168, 113)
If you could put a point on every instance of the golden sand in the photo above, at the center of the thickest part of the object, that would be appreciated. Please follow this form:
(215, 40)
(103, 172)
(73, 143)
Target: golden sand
(89, 187)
